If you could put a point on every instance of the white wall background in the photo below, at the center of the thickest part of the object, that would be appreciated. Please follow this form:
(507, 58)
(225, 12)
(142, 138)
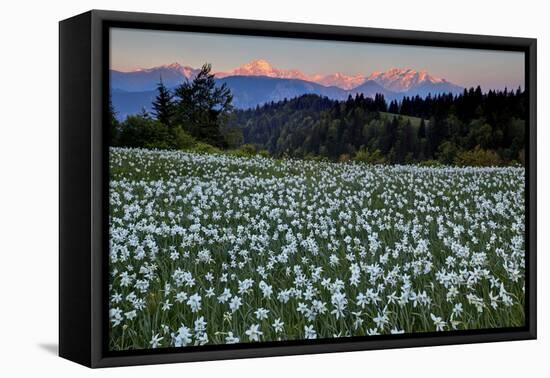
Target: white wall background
(29, 189)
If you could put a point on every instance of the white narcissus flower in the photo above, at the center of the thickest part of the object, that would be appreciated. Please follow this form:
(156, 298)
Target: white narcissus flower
(261, 313)
(309, 332)
(230, 339)
(278, 325)
(212, 241)
(438, 322)
(194, 302)
(254, 332)
(155, 341)
(235, 303)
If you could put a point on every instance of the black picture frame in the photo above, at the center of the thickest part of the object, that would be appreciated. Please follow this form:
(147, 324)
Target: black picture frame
(83, 182)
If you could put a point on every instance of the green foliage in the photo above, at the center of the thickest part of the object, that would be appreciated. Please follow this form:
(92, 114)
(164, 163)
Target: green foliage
(314, 157)
(182, 140)
(478, 157)
(205, 148)
(195, 111)
(370, 157)
(422, 130)
(480, 133)
(264, 153)
(138, 131)
(202, 106)
(415, 121)
(114, 126)
(246, 150)
(430, 163)
(448, 152)
(233, 136)
(163, 106)
(443, 127)
(410, 131)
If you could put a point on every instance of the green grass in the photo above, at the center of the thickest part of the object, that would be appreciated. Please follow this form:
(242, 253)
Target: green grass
(415, 121)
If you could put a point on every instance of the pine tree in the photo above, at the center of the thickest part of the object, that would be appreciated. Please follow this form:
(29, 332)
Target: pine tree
(114, 124)
(394, 107)
(380, 103)
(163, 107)
(422, 129)
(202, 107)
(144, 113)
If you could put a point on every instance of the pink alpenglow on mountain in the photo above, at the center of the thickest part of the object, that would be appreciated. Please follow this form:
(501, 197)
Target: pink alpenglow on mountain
(394, 79)
(259, 82)
(262, 67)
(186, 71)
(401, 80)
(341, 80)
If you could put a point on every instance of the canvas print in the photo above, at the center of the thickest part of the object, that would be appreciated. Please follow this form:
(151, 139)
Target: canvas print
(267, 190)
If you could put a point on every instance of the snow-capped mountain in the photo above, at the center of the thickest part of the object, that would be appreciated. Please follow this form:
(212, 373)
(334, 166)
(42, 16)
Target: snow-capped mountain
(144, 79)
(341, 80)
(258, 82)
(395, 80)
(407, 79)
(262, 67)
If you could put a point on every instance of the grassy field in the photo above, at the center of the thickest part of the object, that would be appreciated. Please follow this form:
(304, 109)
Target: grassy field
(221, 249)
(415, 121)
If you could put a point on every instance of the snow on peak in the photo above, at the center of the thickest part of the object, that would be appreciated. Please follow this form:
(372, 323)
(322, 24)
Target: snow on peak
(174, 65)
(186, 71)
(261, 64)
(394, 79)
(403, 79)
(262, 67)
(342, 80)
(258, 67)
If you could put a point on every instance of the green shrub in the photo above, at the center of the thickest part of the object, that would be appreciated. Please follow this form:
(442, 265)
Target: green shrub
(205, 148)
(139, 131)
(447, 152)
(264, 153)
(478, 157)
(246, 150)
(313, 157)
(183, 140)
(430, 163)
(365, 156)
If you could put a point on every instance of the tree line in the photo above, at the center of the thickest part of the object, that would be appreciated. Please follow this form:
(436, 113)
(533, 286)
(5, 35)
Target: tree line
(473, 128)
(468, 129)
(188, 116)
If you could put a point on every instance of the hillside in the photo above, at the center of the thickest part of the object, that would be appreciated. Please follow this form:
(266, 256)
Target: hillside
(415, 121)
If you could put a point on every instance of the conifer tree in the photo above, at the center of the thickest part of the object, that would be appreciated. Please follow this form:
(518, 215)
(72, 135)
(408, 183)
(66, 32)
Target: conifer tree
(422, 129)
(394, 107)
(114, 124)
(202, 106)
(163, 107)
(144, 113)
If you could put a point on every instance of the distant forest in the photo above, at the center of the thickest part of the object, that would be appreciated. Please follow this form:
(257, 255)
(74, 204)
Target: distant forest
(473, 128)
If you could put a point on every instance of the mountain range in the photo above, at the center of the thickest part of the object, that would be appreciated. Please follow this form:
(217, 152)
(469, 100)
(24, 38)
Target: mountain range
(258, 82)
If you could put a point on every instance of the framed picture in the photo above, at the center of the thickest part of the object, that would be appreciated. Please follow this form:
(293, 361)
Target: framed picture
(234, 188)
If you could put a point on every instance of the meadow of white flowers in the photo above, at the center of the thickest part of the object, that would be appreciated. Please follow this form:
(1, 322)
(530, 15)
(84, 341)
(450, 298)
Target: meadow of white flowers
(216, 249)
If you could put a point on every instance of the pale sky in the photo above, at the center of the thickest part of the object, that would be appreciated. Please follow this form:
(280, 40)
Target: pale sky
(137, 48)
